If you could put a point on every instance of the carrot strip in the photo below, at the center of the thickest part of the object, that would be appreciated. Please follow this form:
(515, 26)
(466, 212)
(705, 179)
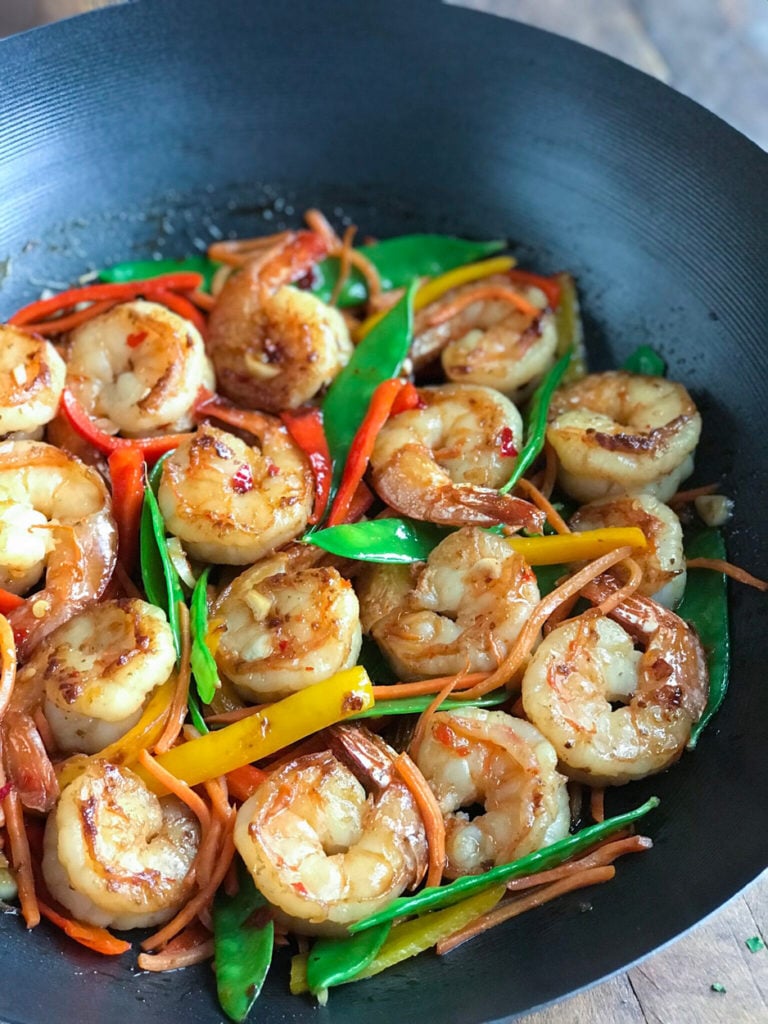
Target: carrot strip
(172, 960)
(220, 251)
(482, 293)
(547, 484)
(45, 308)
(180, 305)
(683, 497)
(180, 789)
(597, 804)
(427, 714)
(243, 782)
(224, 717)
(344, 263)
(177, 711)
(62, 324)
(393, 691)
(21, 858)
(317, 221)
(370, 273)
(606, 853)
(431, 815)
(9, 601)
(95, 938)
(734, 571)
(513, 908)
(554, 518)
(203, 300)
(206, 853)
(549, 285)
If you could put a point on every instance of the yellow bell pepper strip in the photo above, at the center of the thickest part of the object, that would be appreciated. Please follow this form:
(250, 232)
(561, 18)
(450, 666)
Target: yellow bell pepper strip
(409, 938)
(440, 896)
(432, 290)
(269, 730)
(143, 735)
(570, 330)
(576, 547)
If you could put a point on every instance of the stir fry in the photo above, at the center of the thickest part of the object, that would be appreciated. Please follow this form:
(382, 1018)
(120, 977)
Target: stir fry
(335, 595)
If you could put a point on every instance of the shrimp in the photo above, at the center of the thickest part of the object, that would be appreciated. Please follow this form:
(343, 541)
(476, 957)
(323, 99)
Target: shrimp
(663, 561)
(586, 665)
(114, 854)
(94, 673)
(443, 462)
(490, 341)
(55, 517)
(620, 432)
(274, 346)
(230, 503)
(461, 610)
(475, 756)
(319, 849)
(31, 381)
(278, 631)
(139, 366)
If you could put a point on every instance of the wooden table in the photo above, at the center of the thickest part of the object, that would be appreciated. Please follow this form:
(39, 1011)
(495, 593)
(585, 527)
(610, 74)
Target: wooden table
(716, 52)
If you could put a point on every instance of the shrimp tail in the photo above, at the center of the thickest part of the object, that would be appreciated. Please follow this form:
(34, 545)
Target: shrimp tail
(27, 763)
(365, 753)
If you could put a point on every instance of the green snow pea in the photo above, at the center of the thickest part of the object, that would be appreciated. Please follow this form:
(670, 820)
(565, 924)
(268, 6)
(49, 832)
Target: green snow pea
(141, 270)
(646, 361)
(202, 661)
(333, 961)
(391, 541)
(243, 945)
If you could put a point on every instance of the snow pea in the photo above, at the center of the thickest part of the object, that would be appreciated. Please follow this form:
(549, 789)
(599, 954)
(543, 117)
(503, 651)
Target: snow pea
(378, 357)
(243, 945)
(202, 661)
(393, 541)
(415, 705)
(705, 606)
(646, 361)
(399, 261)
(436, 897)
(141, 270)
(536, 420)
(333, 961)
(161, 581)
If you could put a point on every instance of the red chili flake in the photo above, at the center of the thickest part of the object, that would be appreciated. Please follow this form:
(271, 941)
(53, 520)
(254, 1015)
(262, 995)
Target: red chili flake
(5, 790)
(242, 481)
(135, 339)
(273, 470)
(300, 888)
(445, 735)
(507, 442)
(282, 646)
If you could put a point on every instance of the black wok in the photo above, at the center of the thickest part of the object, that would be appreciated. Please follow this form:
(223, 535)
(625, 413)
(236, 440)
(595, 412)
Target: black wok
(148, 128)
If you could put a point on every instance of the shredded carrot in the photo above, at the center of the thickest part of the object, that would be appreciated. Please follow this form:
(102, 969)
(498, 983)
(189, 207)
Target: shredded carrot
(370, 274)
(422, 725)
(218, 792)
(95, 938)
(177, 710)
(7, 663)
(604, 853)
(317, 221)
(62, 324)
(210, 844)
(734, 571)
(234, 715)
(21, 858)
(236, 252)
(513, 908)
(344, 263)
(482, 293)
(198, 902)
(219, 279)
(549, 478)
(554, 518)
(597, 804)
(431, 815)
(177, 787)
(172, 960)
(393, 691)
(683, 497)
(243, 782)
(518, 653)
(203, 300)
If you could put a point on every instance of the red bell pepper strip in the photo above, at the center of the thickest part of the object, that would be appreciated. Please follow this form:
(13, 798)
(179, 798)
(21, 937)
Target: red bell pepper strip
(9, 601)
(151, 448)
(306, 428)
(362, 445)
(43, 308)
(126, 471)
(408, 398)
(209, 404)
(549, 285)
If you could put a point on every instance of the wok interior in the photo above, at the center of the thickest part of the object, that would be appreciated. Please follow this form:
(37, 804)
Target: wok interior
(236, 120)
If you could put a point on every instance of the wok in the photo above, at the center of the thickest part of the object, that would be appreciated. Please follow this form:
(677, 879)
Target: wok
(152, 127)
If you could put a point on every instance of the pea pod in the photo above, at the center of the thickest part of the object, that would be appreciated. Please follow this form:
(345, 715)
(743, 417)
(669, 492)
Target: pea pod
(333, 961)
(646, 361)
(161, 581)
(705, 606)
(377, 358)
(141, 270)
(437, 897)
(390, 541)
(243, 945)
(536, 420)
(202, 661)
(399, 261)
(415, 705)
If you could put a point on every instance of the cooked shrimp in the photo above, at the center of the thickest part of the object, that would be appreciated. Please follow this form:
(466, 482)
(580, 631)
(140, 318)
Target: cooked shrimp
(322, 851)
(274, 346)
(490, 341)
(483, 757)
(114, 854)
(663, 561)
(620, 432)
(55, 516)
(96, 671)
(585, 666)
(31, 381)
(461, 610)
(443, 462)
(230, 503)
(139, 366)
(279, 631)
